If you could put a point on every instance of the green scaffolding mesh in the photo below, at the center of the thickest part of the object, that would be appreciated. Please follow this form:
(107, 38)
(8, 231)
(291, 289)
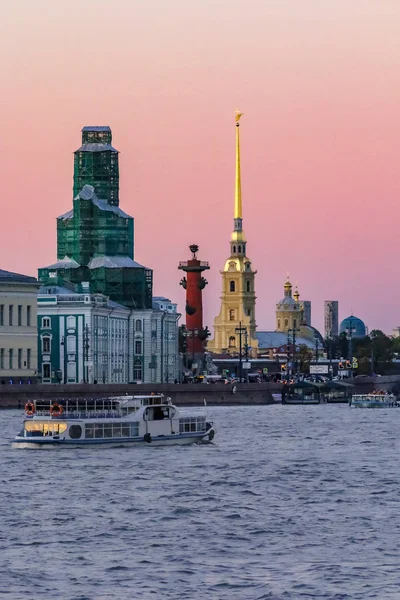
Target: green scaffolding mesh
(95, 240)
(96, 164)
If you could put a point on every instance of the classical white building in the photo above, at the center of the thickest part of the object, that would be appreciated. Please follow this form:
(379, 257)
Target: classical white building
(86, 337)
(155, 357)
(18, 332)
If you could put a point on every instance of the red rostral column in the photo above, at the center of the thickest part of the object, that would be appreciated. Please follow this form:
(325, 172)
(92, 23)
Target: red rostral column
(194, 283)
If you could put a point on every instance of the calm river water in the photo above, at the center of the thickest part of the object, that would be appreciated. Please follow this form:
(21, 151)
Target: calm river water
(290, 502)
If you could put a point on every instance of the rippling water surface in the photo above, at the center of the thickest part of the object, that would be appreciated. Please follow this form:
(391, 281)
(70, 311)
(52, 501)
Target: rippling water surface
(290, 502)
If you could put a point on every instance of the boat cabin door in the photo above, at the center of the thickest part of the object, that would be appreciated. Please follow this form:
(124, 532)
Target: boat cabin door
(159, 413)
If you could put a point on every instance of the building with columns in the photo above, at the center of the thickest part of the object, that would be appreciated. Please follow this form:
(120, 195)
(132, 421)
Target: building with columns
(18, 331)
(237, 318)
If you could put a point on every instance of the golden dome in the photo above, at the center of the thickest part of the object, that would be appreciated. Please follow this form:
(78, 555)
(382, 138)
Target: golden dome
(288, 285)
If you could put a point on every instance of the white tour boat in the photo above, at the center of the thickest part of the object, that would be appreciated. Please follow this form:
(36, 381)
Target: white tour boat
(374, 400)
(115, 421)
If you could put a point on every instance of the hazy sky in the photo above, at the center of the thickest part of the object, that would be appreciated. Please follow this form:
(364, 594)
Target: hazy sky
(319, 84)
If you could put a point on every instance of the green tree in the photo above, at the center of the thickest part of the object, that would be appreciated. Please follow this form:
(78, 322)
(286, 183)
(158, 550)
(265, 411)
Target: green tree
(375, 353)
(303, 358)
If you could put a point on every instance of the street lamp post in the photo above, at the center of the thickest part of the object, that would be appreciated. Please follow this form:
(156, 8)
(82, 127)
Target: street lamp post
(349, 334)
(372, 354)
(316, 346)
(62, 343)
(293, 332)
(86, 354)
(240, 330)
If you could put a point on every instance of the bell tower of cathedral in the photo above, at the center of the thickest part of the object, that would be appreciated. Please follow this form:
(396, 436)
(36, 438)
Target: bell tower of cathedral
(238, 298)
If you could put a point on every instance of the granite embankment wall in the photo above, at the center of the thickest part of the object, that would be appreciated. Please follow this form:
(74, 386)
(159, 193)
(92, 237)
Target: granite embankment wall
(15, 396)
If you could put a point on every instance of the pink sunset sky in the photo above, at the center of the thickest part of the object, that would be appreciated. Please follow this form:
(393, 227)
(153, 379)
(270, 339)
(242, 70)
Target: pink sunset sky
(319, 84)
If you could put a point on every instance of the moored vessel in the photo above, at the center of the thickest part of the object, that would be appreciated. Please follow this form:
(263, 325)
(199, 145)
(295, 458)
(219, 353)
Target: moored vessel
(374, 400)
(114, 421)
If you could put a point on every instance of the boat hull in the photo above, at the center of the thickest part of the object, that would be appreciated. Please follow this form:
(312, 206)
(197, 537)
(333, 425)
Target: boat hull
(358, 404)
(173, 440)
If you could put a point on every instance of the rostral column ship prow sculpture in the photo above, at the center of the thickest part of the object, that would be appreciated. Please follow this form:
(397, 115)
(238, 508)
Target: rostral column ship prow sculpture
(196, 335)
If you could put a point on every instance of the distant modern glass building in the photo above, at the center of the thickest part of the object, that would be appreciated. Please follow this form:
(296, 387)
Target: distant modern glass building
(307, 312)
(331, 318)
(354, 325)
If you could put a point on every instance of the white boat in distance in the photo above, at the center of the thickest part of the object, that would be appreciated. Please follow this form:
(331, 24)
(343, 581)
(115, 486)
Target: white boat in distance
(115, 421)
(374, 400)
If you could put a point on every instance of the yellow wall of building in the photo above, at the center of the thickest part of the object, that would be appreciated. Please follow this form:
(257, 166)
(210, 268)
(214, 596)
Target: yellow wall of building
(237, 307)
(19, 335)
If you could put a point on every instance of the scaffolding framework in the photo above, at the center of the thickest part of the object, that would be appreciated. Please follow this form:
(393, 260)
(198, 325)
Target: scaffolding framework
(95, 240)
(91, 230)
(96, 164)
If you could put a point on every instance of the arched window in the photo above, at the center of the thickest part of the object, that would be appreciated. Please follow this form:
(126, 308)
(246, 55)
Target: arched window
(279, 323)
(247, 286)
(232, 286)
(138, 325)
(239, 248)
(137, 370)
(249, 312)
(286, 323)
(232, 342)
(232, 314)
(294, 323)
(234, 249)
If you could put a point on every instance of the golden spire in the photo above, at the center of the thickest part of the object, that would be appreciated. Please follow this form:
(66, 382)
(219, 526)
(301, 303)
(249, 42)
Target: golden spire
(238, 186)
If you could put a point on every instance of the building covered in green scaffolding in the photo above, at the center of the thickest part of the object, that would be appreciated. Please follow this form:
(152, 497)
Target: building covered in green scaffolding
(95, 239)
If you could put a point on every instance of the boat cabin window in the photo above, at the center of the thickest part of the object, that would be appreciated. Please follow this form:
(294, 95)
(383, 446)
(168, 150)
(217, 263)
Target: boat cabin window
(151, 400)
(38, 428)
(111, 430)
(75, 432)
(192, 424)
(157, 413)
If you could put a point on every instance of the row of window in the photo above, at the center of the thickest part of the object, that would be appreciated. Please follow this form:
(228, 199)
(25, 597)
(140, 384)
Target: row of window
(192, 424)
(46, 323)
(239, 249)
(111, 430)
(46, 345)
(46, 427)
(232, 286)
(20, 363)
(18, 314)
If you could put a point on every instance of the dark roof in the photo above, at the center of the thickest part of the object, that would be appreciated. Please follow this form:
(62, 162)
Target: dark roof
(276, 339)
(96, 128)
(8, 276)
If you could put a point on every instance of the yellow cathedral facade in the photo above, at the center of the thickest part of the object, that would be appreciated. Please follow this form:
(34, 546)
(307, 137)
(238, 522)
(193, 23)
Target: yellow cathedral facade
(237, 317)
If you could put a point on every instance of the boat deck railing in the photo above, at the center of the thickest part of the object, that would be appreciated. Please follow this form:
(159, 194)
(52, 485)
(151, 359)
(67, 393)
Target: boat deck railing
(84, 414)
(93, 408)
